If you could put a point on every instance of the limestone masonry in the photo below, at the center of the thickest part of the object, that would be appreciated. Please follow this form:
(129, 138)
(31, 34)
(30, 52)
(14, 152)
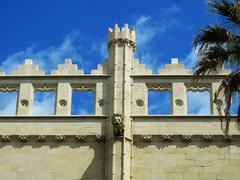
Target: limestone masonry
(120, 141)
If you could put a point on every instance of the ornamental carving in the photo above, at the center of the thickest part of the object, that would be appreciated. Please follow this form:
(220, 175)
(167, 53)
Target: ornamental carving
(122, 41)
(8, 88)
(146, 138)
(6, 138)
(45, 87)
(41, 138)
(84, 88)
(167, 138)
(198, 87)
(23, 138)
(100, 138)
(207, 138)
(60, 138)
(118, 125)
(187, 138)
(81, 138)
(159, 87)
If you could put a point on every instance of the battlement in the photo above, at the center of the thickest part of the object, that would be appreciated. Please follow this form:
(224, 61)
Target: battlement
(125, 35)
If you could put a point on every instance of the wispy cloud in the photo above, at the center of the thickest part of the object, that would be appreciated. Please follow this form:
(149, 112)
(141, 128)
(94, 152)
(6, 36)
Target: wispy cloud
(8, 103)
(198, 102)
(48, 58)
(147, 29)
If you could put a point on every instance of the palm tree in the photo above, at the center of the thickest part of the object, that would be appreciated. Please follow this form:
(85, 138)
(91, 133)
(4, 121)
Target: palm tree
(218, 46)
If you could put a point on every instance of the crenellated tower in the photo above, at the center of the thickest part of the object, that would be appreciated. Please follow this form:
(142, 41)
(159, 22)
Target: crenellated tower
(121, 48)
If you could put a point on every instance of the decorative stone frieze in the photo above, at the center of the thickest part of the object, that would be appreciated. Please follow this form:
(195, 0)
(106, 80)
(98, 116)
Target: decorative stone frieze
(159, 87)
(9, 88)
(228, 138)
(198, 87)
(118, 125)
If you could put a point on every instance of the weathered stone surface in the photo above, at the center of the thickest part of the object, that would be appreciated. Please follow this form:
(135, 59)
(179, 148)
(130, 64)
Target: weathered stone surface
(120, 140)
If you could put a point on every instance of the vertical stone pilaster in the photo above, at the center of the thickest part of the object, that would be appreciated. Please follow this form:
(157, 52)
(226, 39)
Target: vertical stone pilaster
(179, 99)
(100, 99)
(25, 99)
(64, 99)
(121, 46)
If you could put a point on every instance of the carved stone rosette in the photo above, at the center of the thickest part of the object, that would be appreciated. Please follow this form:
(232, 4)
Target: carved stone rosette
(118, 125)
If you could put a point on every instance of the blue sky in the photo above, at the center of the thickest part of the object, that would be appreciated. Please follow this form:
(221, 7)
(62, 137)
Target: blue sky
(50, 31)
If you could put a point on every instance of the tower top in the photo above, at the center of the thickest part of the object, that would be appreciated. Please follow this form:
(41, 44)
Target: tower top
(123, 35)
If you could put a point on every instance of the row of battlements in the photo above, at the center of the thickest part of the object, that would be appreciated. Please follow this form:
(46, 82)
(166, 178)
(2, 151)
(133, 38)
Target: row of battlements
(124, 33)
(68, 68)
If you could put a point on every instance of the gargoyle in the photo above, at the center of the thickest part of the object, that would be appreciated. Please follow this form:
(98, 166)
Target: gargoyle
(118, 125)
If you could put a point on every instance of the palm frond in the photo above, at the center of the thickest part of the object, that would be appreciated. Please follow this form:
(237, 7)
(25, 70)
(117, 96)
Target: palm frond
(211, 61)
(228, 89)
(228, 9)
(211, 35)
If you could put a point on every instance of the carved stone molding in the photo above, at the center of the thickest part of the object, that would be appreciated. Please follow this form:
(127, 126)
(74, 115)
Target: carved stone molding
(59, 138)
(122, 41)
(159, 87)
(118, 125)
(100, 138)
(146, 138)
(167, 138)
(198, 87)
(9, 88)
(187, 138)
(84, 88)
(45, 87)
(23, 138)
(81, 138)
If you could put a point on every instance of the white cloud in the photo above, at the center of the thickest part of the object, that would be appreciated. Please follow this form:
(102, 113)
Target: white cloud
(8, 103)
(148, 28)
(198, 102)
(44, 105)
(190, 60)
(48, 58)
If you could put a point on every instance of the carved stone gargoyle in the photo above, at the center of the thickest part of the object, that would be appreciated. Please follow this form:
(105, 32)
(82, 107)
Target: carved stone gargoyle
(118, 125)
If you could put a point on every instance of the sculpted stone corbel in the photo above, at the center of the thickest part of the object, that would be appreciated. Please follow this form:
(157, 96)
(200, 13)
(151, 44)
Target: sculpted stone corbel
(118, 125)
(81, 138)
(167, 138)
(60, 138)
(23, 138)
(146, 138)
(207, 138)
(187, 138)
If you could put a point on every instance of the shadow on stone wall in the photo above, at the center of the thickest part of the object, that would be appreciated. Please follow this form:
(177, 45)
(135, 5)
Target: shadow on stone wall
(90, 153)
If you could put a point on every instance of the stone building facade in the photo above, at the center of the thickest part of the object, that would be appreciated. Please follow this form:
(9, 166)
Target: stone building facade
(121, 140)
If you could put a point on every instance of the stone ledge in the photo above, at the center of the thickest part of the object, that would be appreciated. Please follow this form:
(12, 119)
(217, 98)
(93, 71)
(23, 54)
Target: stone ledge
(51, 138)
(186, 138)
